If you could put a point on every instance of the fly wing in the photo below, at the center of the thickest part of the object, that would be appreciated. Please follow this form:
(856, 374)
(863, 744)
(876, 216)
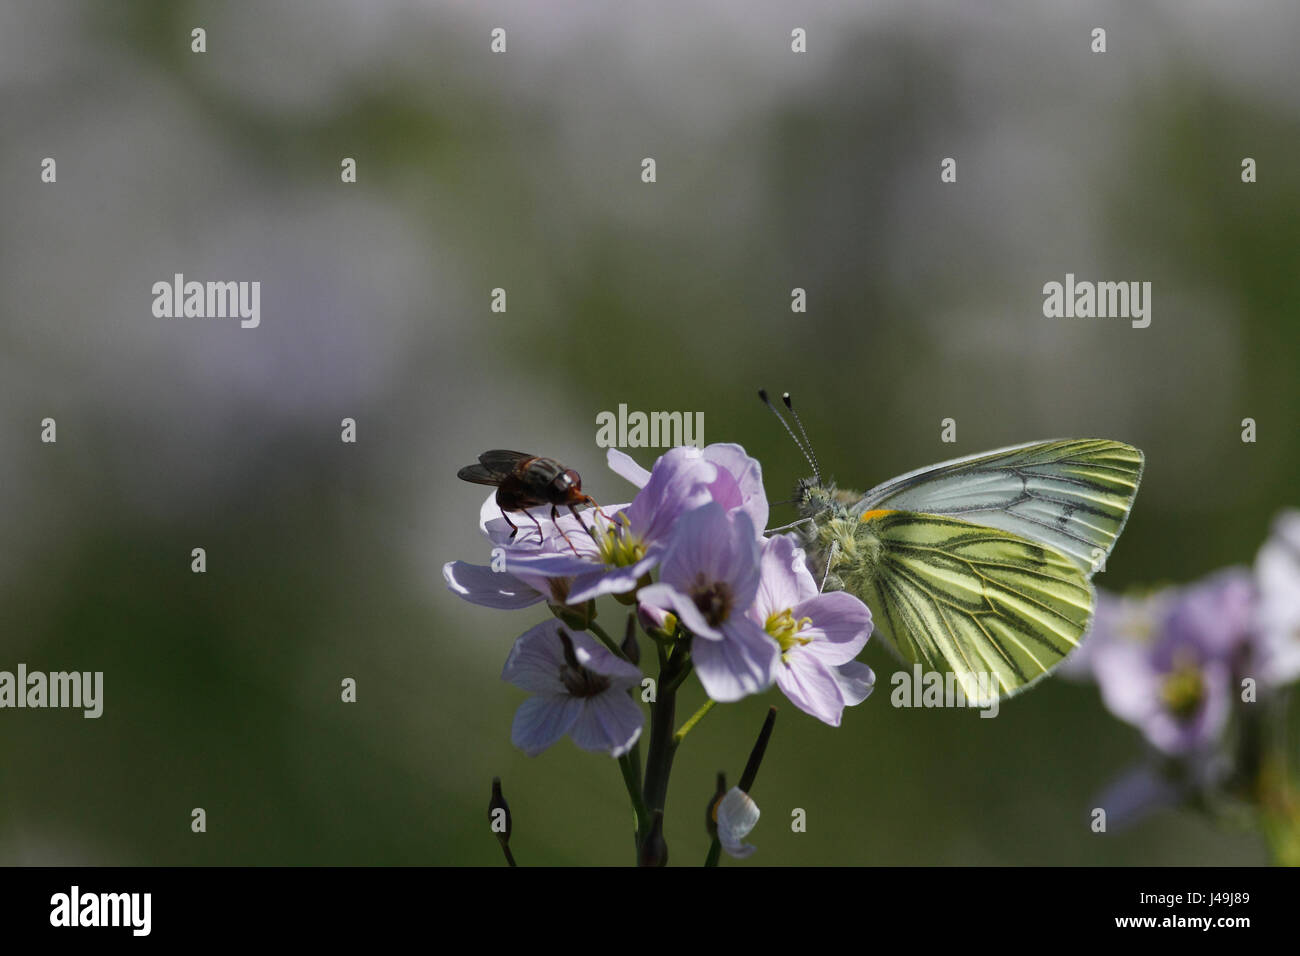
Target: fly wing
(479, 475)
(493, 467)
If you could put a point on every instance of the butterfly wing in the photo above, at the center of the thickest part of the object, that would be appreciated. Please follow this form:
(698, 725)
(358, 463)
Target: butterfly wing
(1073, 494)
(970, 599)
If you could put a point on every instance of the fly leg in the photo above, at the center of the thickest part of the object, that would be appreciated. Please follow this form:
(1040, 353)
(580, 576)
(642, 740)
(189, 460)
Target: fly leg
(540, 535)
(555, 519)
(585, 527)
(595, 505)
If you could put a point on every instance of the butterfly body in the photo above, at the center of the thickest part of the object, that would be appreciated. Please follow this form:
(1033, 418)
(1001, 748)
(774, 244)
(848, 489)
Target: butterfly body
(980, 565)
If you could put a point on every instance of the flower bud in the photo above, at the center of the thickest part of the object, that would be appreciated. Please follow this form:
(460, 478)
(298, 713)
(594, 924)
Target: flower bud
(654, 851)
(499, 819)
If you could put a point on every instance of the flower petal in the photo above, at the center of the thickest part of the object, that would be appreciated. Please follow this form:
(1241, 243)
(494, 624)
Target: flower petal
(1139, 792)
(547, 564)
(625, 466)
(719, 547)
(1277, 571)
(840, 626)
(1214, 614)
(541, 721)
(737, 815)
(739, 484)
(609, 723)
(1127, 683)
(611, 580)
(812, 687)
(678, 483)
(480, 585)
(535, 660)
(525, 534)
(665, 597)
(744, 662)
(856, 681)
(598, 658)
(784, 579)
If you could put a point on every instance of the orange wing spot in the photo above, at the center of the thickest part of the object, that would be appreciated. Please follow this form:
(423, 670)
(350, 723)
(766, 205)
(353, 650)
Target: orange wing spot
(876, 513)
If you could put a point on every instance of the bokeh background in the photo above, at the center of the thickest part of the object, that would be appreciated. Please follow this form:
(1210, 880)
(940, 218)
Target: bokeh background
(522, 171)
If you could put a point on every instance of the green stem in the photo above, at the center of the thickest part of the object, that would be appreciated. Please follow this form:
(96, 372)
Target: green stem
(747, 778)
(606, 640)
(659, 760)
(715, 852)
(696, 717)
(631, 774)
(635, 756)
(679, 677)
(756, 755)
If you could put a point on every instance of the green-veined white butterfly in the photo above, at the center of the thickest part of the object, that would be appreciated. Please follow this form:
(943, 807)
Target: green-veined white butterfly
(982, 564)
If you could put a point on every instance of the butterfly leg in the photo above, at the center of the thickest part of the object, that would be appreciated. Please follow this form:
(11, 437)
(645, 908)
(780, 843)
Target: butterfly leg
(830, 559)
(514, 530)
(787, 527)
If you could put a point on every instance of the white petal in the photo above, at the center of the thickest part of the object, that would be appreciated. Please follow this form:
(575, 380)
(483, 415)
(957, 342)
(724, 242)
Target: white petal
(625, 466)
(737, 815)
(856, 681)
(479, 584)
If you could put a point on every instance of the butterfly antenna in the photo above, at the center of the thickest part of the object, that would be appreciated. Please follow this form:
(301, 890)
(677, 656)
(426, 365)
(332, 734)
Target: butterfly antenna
(787, 527)
(785, 397)
(762, 394)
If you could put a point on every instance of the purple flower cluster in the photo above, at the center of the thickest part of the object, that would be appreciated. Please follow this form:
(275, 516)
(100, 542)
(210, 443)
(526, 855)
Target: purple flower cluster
(1277, 619)
(1173, 661)
(1183, 663)
(689, 552)
(1168, 663)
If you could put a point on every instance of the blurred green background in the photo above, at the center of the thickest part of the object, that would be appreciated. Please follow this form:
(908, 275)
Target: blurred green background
(522, 171)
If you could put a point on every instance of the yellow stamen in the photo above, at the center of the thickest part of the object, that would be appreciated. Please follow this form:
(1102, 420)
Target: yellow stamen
(619, 546)
(1183, 689)
(786, 630)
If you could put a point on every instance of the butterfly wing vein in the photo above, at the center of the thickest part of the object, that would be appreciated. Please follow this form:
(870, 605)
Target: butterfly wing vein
(1072, 494)
(976, 600)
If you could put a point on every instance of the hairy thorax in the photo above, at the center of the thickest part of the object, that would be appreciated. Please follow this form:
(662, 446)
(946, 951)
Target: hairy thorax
(837, 542)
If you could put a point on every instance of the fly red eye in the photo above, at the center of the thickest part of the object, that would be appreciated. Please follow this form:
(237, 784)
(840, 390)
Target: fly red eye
(572, 479)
